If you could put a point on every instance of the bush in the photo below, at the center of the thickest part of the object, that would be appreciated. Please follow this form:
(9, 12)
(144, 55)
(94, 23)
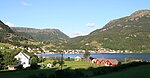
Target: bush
(20, 67)
(33, 62)
(54, 63)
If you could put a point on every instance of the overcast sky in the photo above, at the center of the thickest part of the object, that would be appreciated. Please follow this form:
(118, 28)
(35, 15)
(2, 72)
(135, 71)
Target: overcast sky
(73, 17)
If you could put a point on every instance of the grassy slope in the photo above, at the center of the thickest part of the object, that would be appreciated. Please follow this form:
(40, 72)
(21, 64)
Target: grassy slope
(5, 44)
(22, 73)
(26, 73)
(136, 72)
(75, 64)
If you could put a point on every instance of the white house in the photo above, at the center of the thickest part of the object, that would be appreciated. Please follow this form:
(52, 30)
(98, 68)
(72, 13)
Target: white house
(78, 58)
(23, 59)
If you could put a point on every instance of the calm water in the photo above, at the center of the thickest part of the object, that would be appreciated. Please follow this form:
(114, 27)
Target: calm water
(120, 56)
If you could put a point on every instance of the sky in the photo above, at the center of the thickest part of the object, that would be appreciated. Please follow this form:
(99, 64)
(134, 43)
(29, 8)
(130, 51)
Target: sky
(72, 17)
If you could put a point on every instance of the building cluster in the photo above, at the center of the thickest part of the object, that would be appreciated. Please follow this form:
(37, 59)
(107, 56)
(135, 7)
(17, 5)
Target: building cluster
(99, 61)
(104, 61)
(76, 51)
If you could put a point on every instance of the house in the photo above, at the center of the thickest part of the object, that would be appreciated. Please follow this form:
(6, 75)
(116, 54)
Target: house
(111, 62)
(105, 62)
(23, 59)
(12, 67)
(49, 65)
(78, 58)
(97, 61)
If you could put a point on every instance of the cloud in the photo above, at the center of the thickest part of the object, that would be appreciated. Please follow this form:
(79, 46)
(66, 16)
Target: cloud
(75, 34)
(90, 24)
(10, 24)
(26, 4)
(79, 33)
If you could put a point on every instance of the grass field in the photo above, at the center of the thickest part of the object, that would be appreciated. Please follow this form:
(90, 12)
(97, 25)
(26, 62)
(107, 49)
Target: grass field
(75, 64)
(132, 72)
(5, 44)
(26, 73)
(135, 72)
(22, 73)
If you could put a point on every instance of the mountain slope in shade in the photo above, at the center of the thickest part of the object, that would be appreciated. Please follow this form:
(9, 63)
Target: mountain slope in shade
(51, 35)
(5, 28)
(6, 33)
(127, 33)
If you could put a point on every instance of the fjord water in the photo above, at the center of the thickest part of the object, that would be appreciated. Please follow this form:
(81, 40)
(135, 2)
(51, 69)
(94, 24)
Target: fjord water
(119, 56)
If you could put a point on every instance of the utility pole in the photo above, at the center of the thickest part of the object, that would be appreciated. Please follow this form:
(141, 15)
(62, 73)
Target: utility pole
(61, 64)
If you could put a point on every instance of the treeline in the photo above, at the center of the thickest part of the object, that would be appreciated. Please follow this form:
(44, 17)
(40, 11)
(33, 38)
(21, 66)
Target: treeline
(7, 58)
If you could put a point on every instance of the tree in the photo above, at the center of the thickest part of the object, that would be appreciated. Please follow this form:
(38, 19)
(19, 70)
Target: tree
(33, 62)
(86, 54)
(54, 63)
(8, 58)
(1, 59)
(61, 63)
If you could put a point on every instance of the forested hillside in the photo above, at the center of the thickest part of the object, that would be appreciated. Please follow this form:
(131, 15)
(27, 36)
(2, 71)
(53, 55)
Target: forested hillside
(47, 35)
(127, 33)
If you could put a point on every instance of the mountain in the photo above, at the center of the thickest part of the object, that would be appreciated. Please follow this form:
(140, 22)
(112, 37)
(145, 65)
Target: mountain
(51, 35)
(6, 33)
(127, 33)
(5, 28)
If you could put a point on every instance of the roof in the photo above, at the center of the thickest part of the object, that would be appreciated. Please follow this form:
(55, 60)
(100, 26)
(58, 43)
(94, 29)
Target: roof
(24, 54)
(12, 65)
(78, 57)
(113, 61)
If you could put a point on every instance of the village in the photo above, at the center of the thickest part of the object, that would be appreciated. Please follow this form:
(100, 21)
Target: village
(76, 51)
(24, 59)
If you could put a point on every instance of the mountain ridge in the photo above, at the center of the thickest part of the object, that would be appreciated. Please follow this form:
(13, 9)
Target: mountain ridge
(42, 34)
(6, 33)
(127, 33)
(5, 27)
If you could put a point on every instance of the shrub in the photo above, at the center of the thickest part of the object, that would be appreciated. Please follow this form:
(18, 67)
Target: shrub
(54, 63)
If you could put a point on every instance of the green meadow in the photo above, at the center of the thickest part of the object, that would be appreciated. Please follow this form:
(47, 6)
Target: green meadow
(25, 73)
(141, 71)
(73, 64)
(134, 72)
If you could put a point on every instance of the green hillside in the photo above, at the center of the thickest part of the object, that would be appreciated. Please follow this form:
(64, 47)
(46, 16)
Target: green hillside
(127, 33)
(5, 28)
(6, 34)
(31, 37)
(130, 33)
(47, 35)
